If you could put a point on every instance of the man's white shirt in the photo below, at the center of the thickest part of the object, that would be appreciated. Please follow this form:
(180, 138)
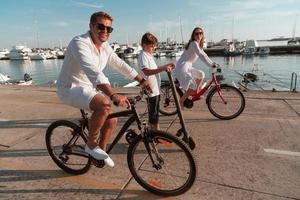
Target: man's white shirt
(84, 63)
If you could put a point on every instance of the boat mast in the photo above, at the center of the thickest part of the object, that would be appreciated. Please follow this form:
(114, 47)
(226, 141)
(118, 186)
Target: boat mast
(182, 42)
(232, 28)
(294, 28)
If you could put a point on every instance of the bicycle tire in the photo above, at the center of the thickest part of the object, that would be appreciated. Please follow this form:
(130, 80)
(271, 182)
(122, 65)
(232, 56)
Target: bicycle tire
(235, 102)
(173, 154)
(167, 105)
(73, 159)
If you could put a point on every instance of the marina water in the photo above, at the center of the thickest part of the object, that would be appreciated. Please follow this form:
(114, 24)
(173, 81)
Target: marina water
(274, 71)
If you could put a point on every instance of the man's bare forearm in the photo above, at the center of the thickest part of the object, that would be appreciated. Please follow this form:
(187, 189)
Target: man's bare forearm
(106, 89)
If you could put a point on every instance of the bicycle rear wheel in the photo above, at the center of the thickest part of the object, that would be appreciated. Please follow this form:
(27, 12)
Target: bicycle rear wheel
(66, 147)
(167, 103)
(228, 103)
(161, 163)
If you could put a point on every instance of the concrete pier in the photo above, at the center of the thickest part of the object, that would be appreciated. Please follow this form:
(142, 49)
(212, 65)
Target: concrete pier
(292, 49)
(255, 156)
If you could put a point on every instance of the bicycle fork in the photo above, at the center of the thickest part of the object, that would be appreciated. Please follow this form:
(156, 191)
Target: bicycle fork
(218, 88)
(152, 150)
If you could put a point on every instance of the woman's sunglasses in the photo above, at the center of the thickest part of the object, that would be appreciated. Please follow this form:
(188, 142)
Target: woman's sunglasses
(102, 27)
(199, 33)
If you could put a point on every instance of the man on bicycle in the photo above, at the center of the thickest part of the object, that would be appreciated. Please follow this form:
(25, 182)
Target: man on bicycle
(82, 75)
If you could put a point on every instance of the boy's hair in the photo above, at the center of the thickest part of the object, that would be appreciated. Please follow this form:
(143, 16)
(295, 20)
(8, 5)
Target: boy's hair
(95, 15)
(148, 39)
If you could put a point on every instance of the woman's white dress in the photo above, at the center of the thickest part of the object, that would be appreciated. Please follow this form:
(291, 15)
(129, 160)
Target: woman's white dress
(184, 72)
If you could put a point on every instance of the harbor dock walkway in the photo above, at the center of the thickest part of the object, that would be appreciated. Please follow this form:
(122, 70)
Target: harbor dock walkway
(253, 157)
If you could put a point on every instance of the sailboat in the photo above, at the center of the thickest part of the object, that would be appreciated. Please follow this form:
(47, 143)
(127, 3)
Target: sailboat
(294, 40)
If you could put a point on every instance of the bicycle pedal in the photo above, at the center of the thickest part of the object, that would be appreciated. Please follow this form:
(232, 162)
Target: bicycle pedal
(98, 163)
(188, 103)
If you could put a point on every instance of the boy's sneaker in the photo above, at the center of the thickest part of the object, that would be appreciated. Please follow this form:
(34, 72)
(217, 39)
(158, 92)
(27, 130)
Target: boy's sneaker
(99, 154)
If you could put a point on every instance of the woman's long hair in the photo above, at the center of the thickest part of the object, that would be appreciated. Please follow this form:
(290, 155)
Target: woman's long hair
(193, 38)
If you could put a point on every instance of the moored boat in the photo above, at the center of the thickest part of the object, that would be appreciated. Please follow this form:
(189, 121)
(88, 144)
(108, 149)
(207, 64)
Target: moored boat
(5, 80)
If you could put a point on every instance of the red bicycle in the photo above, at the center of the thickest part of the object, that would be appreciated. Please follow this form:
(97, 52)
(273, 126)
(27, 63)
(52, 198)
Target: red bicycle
(224, 101)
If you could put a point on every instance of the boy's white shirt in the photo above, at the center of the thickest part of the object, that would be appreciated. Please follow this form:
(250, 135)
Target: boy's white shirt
(146, 60)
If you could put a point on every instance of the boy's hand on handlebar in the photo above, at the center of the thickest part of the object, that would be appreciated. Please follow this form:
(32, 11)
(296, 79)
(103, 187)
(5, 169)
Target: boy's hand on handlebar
(169, 67)
(120, 100)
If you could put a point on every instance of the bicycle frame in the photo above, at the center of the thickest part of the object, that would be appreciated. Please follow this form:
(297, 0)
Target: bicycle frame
(214, 80)
(134, 116)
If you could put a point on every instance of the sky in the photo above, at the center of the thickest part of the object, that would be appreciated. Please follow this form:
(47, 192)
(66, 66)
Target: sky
(41, 23)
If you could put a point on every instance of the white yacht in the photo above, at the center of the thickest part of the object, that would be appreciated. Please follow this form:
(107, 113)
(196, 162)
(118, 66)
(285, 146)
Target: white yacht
(115, 46)
(19, 53)
(293, 41)
(132, 51)
(177, 52)
(250, 48)
(4, 78)
(159, 54)
(4, 54)
(38, 56)
(249, 51)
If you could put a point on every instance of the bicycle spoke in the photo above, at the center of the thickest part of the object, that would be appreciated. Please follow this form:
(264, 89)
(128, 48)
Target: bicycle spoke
(166, 170)
(167, 102)
(66, 147)
(226, 103)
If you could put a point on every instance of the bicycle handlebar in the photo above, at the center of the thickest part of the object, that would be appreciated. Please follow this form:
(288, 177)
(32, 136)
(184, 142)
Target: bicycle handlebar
(135, 99)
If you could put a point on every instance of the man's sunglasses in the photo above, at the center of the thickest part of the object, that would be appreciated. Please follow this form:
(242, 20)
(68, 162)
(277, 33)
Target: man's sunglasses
(102, 27)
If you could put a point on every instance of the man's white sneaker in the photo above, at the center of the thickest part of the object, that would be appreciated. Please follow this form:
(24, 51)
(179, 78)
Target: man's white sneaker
(99, 154)
(109, 162)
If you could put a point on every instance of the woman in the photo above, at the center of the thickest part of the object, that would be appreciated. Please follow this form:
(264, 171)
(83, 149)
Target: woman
(190, 79)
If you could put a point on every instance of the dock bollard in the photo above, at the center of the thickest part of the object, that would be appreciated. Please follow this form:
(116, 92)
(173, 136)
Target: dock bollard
(293, 80)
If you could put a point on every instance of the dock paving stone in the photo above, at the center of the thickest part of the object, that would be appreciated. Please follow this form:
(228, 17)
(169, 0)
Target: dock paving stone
(230, 156)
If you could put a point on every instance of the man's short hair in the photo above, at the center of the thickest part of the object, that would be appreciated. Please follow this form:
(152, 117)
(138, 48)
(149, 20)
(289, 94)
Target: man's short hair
(149, 39)
(100, 14)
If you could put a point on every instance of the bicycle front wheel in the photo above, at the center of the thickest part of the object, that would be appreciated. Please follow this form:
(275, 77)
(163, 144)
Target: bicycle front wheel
(226, 103)
(161, 163)
(167, 104)
(66, 147)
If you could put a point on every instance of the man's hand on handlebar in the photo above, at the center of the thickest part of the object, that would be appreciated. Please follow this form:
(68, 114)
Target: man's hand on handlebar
(120, 100)
(146, 85)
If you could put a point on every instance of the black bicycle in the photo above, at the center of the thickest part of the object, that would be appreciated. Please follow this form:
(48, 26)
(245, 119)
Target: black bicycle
(160, 162)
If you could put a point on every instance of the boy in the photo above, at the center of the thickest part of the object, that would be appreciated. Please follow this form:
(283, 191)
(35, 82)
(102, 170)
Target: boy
(151, 73)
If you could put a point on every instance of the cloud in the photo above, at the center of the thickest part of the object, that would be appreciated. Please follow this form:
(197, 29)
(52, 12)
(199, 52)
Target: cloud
(88, 5)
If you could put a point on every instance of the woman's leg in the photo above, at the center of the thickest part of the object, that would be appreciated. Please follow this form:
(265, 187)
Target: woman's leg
(198, 76)
(198, 84)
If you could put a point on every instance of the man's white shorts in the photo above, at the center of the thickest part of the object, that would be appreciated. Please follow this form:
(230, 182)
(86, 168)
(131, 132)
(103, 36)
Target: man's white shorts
(77, 96)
